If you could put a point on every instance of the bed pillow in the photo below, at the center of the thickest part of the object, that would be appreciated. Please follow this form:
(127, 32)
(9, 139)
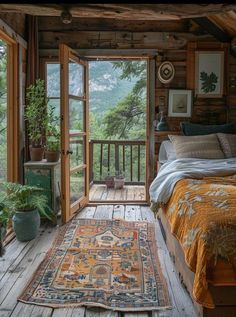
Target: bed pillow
(228, 144)
(203, 147)
(166, 151)
(189, 128)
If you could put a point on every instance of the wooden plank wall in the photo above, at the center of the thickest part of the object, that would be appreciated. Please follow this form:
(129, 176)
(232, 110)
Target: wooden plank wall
(17, 21)
(177, 43)
(205, 110)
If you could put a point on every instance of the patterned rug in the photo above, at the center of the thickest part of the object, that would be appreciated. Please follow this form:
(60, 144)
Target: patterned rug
(107, 263)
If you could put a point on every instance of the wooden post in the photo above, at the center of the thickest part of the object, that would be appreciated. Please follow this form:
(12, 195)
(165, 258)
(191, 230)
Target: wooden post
(117, 158)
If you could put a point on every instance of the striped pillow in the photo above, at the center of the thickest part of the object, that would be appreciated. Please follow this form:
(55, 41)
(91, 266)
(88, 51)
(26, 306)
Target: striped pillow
(228, 144)
(199, 146)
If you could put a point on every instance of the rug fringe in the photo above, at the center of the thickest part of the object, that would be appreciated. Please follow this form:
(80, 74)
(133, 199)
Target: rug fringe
(91, 305)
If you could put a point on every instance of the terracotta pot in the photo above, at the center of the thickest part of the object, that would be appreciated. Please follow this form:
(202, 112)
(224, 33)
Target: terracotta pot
(52, 156)
(109, 180)
(36, 153)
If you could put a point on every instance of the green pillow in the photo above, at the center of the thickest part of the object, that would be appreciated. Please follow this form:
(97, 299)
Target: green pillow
(189, 128)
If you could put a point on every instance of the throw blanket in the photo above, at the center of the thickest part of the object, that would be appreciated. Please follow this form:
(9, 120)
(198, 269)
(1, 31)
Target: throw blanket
(202, 216)
(170, 173)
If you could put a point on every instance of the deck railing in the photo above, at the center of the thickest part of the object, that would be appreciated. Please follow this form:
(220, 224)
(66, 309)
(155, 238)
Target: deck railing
(110, 156)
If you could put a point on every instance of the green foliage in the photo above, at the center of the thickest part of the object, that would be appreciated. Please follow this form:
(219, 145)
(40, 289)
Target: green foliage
(52, 130)
(127, 115)
(132, 69)
(24, 198)
(4, 213)
(36, 112)
(208, 81)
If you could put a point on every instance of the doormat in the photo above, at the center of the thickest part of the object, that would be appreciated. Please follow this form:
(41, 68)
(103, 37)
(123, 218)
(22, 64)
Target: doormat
(105, 263)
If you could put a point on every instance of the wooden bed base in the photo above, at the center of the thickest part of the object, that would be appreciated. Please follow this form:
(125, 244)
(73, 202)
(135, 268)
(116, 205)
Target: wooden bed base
(224, 296)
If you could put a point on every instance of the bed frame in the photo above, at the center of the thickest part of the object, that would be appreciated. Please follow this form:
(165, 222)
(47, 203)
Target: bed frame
(224, 296)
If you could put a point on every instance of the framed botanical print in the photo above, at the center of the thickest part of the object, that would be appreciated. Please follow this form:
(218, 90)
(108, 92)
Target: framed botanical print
(209, 74)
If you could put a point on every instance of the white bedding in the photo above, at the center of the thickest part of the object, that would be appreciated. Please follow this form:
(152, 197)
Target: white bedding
(162, 186)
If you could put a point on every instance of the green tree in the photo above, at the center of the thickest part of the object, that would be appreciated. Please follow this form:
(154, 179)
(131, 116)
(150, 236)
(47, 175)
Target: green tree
(127, 119)
(126, 116)
(134, 69)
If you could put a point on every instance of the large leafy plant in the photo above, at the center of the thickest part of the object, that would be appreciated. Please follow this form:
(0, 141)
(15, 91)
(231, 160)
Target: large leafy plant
(25, 198)
(52, 130)
(36, 112)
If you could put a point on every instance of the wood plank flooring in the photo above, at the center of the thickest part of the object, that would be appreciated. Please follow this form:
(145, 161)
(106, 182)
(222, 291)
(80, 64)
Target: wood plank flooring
(21, 260)
(100, 192)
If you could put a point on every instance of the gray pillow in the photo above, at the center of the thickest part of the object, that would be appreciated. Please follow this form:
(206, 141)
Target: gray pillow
(228, 144)
(203, 146)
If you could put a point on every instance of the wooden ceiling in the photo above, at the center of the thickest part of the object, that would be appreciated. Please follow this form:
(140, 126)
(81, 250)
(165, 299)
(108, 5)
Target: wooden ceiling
(123, 11)
(222, 16)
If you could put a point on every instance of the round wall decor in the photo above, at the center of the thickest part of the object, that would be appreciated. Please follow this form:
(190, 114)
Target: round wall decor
(166, 72)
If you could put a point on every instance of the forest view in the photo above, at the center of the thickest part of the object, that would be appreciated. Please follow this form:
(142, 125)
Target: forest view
(117, 110)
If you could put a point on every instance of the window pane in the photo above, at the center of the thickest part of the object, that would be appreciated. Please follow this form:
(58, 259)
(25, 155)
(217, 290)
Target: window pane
(53, 80)
(3, 111)
(76, 85)
(77, 147)
(77, 187)
(76, 116)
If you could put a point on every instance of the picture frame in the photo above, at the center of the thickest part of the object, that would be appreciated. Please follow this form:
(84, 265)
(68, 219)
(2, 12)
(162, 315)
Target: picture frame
(180, 103)
(209, 74)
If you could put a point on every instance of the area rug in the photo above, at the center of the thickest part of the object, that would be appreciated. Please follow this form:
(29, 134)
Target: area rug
(107, 263)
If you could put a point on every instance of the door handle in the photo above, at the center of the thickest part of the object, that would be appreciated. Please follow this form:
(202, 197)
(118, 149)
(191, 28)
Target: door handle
(69, 152)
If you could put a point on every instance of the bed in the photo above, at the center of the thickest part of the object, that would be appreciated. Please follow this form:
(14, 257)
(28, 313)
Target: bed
(195, 200)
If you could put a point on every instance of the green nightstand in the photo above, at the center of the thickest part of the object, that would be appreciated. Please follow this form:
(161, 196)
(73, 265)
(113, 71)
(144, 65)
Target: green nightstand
(46, 175)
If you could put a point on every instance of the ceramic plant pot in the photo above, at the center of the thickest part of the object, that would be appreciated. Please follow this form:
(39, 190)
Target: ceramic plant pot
(52, 156)
(119, 182)
(26, 224)
(36, 153)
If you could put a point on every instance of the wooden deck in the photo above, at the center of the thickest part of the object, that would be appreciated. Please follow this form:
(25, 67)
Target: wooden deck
(129, 192)
(21, 260)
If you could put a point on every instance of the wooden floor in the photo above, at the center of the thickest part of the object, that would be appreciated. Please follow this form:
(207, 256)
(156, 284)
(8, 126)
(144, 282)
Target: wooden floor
(21, 260)
(129, 192)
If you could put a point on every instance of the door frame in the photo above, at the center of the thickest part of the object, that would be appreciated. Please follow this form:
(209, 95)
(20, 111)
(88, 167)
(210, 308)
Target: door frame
(150, 117)
(12, 107)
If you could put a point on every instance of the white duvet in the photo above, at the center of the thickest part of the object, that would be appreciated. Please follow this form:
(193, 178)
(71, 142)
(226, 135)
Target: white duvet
(171, 172)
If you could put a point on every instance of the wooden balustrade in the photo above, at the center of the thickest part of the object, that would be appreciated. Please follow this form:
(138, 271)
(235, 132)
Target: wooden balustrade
(110, 156)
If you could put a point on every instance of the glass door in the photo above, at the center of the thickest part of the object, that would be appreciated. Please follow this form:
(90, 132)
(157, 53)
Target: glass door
(74, 132)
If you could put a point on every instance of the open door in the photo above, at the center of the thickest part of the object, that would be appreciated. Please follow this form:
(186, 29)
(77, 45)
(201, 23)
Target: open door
(74, 133)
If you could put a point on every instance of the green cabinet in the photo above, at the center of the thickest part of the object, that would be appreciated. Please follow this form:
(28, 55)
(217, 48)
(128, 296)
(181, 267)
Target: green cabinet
(46, 175)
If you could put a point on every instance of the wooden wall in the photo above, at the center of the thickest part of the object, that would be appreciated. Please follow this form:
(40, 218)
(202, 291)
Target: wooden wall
(205, 110)
(176, 42)
(17, 21)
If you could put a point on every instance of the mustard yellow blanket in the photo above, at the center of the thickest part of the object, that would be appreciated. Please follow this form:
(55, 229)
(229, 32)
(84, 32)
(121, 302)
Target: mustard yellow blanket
(202, 215)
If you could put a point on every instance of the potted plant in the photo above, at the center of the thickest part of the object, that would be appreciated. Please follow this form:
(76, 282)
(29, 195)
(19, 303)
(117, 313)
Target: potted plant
(109, 180)
(36, 118)
(25, 204)
(52, 150)
(119, 180)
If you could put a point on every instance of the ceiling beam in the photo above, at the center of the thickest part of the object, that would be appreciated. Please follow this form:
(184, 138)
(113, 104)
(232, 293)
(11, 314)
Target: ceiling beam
(211, 28)
(145, 12)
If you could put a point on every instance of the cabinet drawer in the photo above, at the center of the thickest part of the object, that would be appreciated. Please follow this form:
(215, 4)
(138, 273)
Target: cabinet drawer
(38, 177)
